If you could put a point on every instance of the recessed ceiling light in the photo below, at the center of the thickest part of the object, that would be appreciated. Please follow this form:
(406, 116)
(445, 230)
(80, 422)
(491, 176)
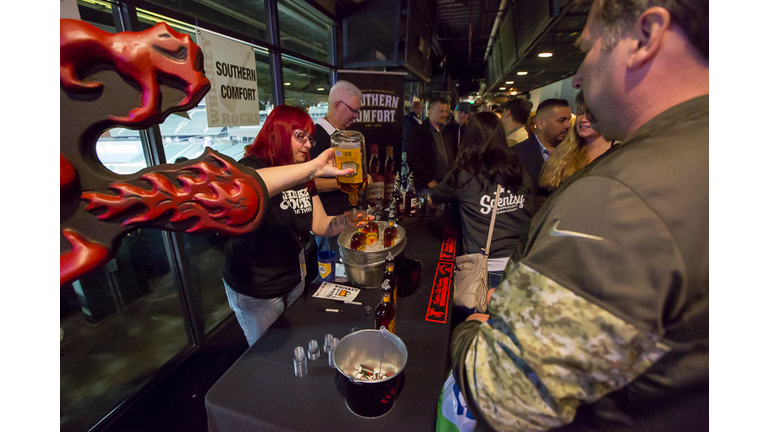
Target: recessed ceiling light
(509, 82)
(287, 83)
(320, 88)
(545, 54)
(502, 88)
(522, 73)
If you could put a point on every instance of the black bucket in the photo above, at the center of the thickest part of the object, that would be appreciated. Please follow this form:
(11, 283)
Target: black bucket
(370, 348)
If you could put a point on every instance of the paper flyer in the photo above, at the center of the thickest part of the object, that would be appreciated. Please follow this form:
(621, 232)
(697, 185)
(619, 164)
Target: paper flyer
(334, 291)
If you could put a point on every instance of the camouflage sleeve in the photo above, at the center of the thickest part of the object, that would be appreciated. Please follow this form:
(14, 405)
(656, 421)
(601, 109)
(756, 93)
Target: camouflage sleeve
(545, 351)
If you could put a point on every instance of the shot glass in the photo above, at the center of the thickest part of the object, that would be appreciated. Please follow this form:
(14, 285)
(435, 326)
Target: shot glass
(331, 349)
(327, 342)
(314, 350)
(299, 362)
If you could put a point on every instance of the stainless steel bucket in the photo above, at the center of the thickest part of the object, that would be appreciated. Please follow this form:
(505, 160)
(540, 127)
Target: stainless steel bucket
(373, 349)
(365, 269)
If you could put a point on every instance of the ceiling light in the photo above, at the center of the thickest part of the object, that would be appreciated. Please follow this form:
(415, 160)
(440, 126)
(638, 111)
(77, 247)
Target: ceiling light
(509, 82)
(502, 88)
(287, 83)
(513, 93)
(545, 54)
(320, 88)
(522, 73)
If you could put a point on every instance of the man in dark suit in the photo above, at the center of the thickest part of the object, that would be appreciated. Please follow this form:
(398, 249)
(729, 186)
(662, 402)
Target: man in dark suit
(553, 119)
(431, 152)
(411, 121)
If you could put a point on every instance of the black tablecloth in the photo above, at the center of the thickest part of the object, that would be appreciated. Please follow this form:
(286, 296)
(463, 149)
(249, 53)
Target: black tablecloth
(260, 392)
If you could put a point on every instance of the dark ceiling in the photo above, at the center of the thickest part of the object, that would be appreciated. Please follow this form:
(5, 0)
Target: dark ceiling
(463, 29)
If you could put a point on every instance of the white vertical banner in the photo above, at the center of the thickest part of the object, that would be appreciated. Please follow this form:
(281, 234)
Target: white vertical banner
(231, 67)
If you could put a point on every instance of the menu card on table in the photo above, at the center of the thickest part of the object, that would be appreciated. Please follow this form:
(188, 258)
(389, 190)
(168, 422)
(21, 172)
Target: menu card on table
(328, 290)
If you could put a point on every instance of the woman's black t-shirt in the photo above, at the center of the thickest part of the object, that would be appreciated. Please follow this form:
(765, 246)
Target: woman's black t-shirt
(265, 263)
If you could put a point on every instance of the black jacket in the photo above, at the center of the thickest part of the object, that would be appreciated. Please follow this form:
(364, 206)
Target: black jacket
(422, 155)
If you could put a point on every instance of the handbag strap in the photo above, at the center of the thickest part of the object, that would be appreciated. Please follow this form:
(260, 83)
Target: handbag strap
(493, 221)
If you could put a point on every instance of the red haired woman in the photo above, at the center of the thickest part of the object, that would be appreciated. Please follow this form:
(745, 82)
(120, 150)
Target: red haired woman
(264, 272)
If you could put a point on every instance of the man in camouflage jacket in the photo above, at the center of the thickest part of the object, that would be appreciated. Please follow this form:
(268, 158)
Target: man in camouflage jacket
(603, 324)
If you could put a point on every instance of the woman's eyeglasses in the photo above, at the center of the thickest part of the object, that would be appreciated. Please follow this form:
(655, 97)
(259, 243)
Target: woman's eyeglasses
(303, 137)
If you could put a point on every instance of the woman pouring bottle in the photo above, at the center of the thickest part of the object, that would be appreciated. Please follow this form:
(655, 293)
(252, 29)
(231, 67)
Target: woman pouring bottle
(265, 270)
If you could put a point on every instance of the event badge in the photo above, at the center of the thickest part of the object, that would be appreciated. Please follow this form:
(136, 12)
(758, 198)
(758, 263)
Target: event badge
(303, 264)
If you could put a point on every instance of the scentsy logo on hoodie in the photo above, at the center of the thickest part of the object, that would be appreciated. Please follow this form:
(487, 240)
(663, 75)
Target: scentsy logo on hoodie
(507, 203)
(298, 200)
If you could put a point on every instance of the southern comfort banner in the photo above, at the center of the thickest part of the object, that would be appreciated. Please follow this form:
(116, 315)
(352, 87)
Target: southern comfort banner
(231, 67)
(381, 116)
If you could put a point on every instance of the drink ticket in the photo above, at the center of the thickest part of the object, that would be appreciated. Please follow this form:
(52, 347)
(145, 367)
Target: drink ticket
(334, 291)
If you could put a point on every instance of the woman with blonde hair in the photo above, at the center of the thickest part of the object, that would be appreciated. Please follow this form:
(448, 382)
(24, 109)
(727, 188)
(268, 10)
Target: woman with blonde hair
(581, 146)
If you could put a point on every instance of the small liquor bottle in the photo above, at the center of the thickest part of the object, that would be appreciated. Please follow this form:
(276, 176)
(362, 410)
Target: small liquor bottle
(411, 200)
(375, 190)
(391, 277)
(371, 230)
(358, 239)
(389, 174)
(390, 232)
(385, 311)
(397, 195)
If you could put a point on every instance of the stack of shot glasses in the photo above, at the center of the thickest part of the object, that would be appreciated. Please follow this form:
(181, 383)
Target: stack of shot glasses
(300, 366)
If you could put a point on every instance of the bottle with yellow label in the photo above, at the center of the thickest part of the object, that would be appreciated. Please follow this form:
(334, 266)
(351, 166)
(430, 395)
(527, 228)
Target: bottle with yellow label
(349, 152)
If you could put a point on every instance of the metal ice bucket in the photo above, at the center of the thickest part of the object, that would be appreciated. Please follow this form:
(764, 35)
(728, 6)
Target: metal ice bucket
(365, 269)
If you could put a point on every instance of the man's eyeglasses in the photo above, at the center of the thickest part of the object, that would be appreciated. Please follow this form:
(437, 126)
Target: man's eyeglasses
(303, 137)
(354, 111)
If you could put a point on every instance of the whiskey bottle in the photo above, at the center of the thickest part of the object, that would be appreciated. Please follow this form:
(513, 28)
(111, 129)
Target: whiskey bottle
(411, 200)
(371, 231)
(390, 232)
(358, 240)
(375, 190)
(389, 174)
(398, 198)
(349, 152)
(385, 311)
(391, 277)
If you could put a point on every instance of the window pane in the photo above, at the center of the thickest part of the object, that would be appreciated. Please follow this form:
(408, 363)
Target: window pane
(304, 30)
(307, 86)
(246, 17)
(119, 325)
(97, 13)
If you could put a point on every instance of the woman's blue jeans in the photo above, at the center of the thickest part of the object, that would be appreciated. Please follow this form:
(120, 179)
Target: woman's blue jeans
(256, 315)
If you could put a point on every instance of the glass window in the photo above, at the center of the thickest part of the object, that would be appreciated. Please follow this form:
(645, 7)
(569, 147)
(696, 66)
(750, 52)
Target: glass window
(306, 85)
(304, 30)
(185, 136)
(119, 325)
(97, 13)
(246, 17)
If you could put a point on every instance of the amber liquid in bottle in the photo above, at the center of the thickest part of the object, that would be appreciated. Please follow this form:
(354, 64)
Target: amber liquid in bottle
(375, 190)
(399, 199)
(358, 240)
(389, 174)
(349, 152)
(390, 232)
(390, 277)
(385, 311)
(371, 230)
(411, 201)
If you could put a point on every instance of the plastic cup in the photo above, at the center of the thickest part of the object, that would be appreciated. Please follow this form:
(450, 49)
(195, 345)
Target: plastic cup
(327, 342)
(314, 350)
(299, 362)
